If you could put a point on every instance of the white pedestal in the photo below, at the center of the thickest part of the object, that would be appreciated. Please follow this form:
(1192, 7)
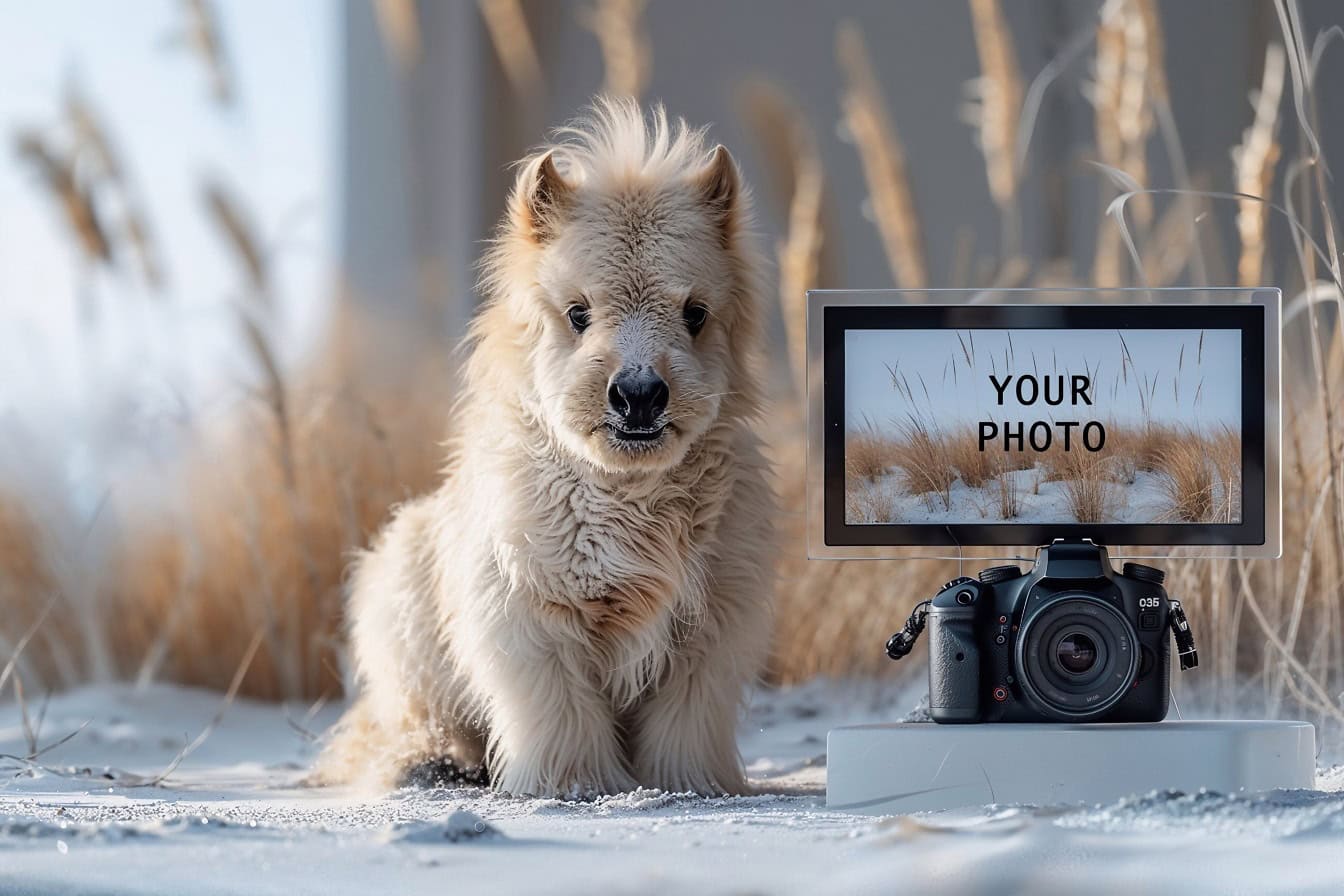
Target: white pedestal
(921, 766)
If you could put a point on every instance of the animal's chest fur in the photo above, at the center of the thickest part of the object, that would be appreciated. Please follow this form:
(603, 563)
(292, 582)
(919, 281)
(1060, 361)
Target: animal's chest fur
(621, 563)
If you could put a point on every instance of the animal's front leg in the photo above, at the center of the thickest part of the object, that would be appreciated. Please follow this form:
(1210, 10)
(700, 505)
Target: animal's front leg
(685, 736)
(551, 732)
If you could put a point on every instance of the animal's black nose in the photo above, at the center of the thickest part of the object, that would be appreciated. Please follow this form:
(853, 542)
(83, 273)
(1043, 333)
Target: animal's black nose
(639, 395)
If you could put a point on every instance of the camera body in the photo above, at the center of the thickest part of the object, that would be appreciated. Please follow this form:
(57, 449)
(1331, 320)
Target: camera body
(1069, 641)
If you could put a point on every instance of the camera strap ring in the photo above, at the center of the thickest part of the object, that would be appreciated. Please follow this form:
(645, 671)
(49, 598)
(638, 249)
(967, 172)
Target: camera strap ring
(901, 643)
(1185, 638)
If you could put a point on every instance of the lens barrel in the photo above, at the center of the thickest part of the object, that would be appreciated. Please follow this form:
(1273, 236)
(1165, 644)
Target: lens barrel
(1077, 656)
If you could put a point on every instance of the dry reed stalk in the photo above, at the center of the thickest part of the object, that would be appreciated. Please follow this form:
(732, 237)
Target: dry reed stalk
(1088, 490)
(205, 40)
(793, 164)
(995, 114)
(925, 462)
(883, 160)
(229, 696)
(506, 23)
(800, 256)
(74, 198)
(868, 453)
(226, 210)
(1143, 445)
(627, 54)
(28, 589)
(399, 26)
(1124, 75)
(1188, 478)
(975, 467)
(1153, 48)
(92, 140)
(1224, 452)
(1009, 497)
(1254, 161)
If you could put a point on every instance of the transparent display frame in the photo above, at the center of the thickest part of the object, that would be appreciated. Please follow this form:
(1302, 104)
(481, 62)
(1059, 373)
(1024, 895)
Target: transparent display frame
(1124, 540)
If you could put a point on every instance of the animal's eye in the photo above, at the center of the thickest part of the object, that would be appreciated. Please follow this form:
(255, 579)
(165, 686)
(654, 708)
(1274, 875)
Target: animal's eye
(695, 316)
(579, 317)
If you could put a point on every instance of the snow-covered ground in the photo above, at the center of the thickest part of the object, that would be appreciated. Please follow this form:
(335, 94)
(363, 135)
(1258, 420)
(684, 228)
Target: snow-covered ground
(1039, 500)
(90, 815)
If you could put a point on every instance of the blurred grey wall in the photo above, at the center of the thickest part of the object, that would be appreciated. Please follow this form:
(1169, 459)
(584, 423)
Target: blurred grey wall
(427, 146)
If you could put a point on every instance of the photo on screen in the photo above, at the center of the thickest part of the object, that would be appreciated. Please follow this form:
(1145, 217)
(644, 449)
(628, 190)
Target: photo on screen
(1043, 426)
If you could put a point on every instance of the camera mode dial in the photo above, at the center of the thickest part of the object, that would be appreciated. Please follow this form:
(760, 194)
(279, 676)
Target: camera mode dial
(1144, 573)
(999, 574)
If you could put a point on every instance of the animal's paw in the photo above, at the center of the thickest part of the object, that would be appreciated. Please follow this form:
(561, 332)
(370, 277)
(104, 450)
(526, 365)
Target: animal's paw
(444, 771)
(578, 787)
(698, 781)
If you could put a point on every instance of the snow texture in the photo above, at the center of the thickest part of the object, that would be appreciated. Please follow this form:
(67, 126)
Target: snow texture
(90, 815)
(1039, 500)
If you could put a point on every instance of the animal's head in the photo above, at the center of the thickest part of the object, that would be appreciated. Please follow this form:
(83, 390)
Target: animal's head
(626, 280)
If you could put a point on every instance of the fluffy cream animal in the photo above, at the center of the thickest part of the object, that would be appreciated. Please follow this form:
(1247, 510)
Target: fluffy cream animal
(580, 606)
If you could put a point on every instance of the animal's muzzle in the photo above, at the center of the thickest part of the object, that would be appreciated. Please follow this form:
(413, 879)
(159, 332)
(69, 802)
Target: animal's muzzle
(639, 396)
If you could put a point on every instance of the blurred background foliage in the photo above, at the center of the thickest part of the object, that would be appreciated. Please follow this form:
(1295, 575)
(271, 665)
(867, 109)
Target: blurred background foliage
(239, 240)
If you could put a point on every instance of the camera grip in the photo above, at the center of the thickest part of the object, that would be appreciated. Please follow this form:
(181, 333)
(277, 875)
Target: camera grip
(954, 665)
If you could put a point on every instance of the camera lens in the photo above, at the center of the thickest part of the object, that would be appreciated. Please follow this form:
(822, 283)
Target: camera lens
(1076, 656)
(1076, 653)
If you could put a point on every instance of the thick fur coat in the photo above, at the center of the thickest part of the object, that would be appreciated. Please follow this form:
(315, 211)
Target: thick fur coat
(580, 606)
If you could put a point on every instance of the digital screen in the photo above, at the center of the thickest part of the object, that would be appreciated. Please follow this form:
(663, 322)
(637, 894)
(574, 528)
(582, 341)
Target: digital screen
(1042, 426)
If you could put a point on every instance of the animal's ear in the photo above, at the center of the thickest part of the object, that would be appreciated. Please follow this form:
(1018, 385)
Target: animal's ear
(721, 188)
(542, 195)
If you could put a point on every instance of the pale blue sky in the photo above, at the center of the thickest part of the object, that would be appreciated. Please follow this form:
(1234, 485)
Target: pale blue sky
(149, 361)
(275, 148)
(959, 392)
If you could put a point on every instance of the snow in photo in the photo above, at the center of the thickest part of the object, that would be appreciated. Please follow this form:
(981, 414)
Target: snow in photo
(1047, 426)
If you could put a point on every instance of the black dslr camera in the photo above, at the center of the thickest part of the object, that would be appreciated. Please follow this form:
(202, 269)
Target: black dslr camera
(1069, 641)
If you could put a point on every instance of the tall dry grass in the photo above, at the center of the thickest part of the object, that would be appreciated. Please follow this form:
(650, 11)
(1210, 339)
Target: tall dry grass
(1189, 482)
(883, 159)
(975, 467)
(1198, 469)
(793, 166)
(251, 550)
(925, 461)
(256, 539)
(1254, 160)
(1271, 631)
(1009, 492)
(996, 108)
(1090, 491)
(869, 453)
(32, 638)
(627, 55)
(263, 538)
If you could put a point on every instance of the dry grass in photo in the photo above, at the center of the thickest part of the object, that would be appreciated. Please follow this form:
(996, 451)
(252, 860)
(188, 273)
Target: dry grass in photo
(1090, 491)
(925, 462)
(1008, 493)
(1188, 478)
(974, 466)
(871, 502)
(1224, 451)
(868, 454)
(1198, 471)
